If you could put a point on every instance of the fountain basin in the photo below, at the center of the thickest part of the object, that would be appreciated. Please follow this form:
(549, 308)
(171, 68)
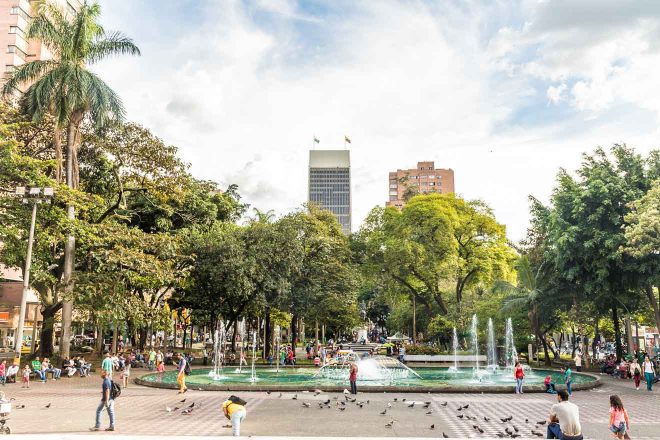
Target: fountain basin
(429, 380)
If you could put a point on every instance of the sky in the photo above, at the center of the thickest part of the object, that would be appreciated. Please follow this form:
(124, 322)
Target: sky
(504, 92)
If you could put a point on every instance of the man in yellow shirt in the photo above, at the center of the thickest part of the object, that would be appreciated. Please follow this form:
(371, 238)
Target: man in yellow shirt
(234, 409)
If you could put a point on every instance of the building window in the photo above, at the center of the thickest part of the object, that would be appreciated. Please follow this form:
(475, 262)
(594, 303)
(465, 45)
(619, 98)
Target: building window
(15, 49)
(16, 30)
(16, 10)
(393, 198)
(9, 68)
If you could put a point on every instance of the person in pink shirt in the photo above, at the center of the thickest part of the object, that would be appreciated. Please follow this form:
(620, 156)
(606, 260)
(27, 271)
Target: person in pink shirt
(619, 422)
(3, 371)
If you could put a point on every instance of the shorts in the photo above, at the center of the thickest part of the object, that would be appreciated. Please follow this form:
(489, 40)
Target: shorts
(621, 429)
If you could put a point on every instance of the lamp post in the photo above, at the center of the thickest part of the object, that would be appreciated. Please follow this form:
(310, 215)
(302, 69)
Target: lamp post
(34, 195)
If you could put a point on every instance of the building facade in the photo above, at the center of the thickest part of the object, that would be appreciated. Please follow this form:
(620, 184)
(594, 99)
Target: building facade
(330, 183)
(15, 16)
(424, 179)
(11, 291)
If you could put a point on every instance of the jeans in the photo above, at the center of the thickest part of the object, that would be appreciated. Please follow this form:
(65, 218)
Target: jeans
(111, 412)
(56, 372)
(41, 374)
(649, 381)
(519, 386)
(550, 388)
(554, 431)
(569, 388)
(151, 365)
(353, 387)
(236, 418)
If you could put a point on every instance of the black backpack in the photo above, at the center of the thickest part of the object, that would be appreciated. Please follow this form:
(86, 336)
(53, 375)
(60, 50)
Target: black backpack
(186, 368)
(237, 400)
(115, 390)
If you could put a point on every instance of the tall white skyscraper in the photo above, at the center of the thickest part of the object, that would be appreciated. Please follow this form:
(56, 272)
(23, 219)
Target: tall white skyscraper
(330, 183)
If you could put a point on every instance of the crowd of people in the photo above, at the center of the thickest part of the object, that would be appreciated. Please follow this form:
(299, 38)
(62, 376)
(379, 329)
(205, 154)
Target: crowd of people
(640, 367)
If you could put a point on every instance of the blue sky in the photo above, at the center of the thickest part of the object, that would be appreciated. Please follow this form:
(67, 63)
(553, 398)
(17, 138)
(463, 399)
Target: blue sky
(504, 92)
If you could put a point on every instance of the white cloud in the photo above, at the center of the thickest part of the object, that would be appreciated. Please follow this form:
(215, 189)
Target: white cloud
(406, 81)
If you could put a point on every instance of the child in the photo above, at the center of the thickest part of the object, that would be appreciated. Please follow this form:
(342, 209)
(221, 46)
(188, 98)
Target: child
(317, 361)
(26, 377)
(126, 374)
(161, 369)
(549, 386)
(619, 422)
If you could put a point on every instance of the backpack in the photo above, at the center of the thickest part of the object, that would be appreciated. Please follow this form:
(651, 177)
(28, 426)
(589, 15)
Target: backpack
(115, 390)
(237, 400)
(186, 368)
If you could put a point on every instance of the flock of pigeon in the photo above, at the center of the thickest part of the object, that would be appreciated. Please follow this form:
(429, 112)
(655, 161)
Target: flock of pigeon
(507, 430)
(186, 411)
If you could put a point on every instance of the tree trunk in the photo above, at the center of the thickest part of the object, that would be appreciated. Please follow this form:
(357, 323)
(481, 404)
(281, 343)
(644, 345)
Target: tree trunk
(233, 337)
(655, 304)
(47, 329)
(143, 337)
(99, 339)
(57, 146)
(70, 244)
(114, 338)
(629, 335)
(294, 332)
(617, 333)
(544, 342)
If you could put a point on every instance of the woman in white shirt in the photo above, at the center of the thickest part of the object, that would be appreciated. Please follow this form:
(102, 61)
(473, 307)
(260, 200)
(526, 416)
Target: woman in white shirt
(649, 372)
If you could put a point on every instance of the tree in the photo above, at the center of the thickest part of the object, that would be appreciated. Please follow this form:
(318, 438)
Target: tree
(64, 88)
(643, 242)
(585, 230)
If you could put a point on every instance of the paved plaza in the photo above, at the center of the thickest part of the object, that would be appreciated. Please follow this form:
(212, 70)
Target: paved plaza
(142, 411)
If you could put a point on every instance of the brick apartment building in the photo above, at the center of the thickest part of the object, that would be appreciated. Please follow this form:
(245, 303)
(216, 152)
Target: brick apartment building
(424, 179)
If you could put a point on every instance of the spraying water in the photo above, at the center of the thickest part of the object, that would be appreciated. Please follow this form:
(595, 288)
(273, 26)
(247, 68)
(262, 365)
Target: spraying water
(218, 352)
(510, 349)
(277, 348)
(475, 343)
(241, 334)
(253, 377)
(492, 357)
(454, 345)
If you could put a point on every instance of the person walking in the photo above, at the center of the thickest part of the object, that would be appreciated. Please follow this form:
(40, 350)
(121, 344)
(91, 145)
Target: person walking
(181, 377)
(107, 365)
(519, 374)
(352, 377)
(107, 402)
(578, 361)
(568, 379)
(649, 373)
(564, 420)
(619, 421)
(234, 410)
(636, 372)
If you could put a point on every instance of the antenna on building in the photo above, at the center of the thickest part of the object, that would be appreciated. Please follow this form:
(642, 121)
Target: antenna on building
(347, 140)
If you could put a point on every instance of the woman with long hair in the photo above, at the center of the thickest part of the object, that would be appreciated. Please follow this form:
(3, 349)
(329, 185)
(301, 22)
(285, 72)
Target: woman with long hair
(619, 422)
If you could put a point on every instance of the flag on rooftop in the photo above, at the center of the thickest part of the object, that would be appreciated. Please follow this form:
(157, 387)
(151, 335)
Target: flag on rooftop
(346, 139)
(316, 139)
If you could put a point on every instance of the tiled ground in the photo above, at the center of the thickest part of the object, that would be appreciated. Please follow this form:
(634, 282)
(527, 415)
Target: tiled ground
(141, 411)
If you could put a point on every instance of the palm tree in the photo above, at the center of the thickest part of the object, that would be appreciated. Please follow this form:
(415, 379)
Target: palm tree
(65, 88)
(529, 294)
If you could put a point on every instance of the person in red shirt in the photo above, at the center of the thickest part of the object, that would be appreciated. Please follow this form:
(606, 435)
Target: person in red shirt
(519, 375)
(352, 377)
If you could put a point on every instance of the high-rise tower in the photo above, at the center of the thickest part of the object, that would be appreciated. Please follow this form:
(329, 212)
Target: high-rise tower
(330, 183)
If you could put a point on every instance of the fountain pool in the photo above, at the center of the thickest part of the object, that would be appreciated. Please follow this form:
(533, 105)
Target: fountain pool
(424, 379)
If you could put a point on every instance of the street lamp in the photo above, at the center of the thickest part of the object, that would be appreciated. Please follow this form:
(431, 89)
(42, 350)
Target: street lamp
(34, 195)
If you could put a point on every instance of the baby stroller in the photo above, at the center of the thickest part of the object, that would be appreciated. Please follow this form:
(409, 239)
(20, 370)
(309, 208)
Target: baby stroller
(5, 410)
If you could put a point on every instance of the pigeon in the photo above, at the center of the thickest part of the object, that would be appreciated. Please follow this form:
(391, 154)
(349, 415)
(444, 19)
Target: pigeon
(367, 401)
(515, 435)
(481, 431)
(353, 400)
(360, 405)
(191, 405)
(12, 399)
(506, 419)
(327, 402)
(460, 416)
(433, 426)
(508, 430)
(268, 392)
(48, 406)
(187, 411)
(515, 428)
(411, 404)
(444, 404)
(466, 406)
(317, 392)
(395, 399)
(541, 422)
(383, 412)
(348, 392)
(427, 404)
(169, 410)
(389, 405)
(536, 433)
(429, 413)
(335, 398)
(486, 419)
(474, 427)
(295, 397)
(20, 406)
(306, 405)
(403, 400)
(526, 420)
(182, 401)
(499, 434)
(444, 435)
(460, 408)
(389, 425)
(342, 408)
(280, 395)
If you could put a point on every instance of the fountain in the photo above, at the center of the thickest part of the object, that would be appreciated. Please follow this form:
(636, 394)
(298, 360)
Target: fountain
(241, 337)
(492, 356)
(278, 338)
(378, 372)
(217, 372)
(253, 376)
(510, 353)
(454, 344)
